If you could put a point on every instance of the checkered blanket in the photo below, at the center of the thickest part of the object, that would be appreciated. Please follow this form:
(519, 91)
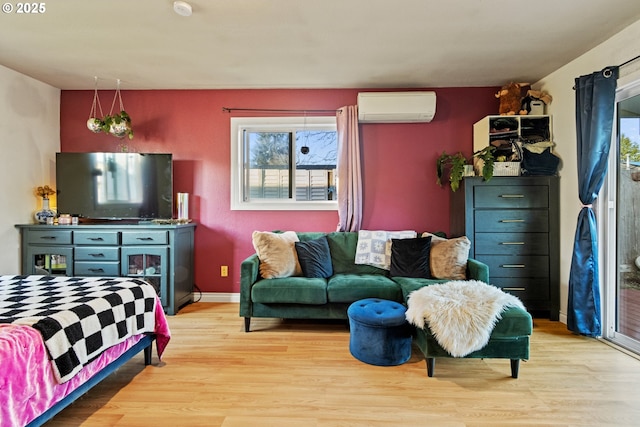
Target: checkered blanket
(78, 317)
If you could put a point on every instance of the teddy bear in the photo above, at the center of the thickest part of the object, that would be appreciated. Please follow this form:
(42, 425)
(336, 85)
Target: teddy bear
(510, 96)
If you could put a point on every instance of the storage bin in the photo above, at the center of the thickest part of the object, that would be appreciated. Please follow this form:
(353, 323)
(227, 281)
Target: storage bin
(506, 169)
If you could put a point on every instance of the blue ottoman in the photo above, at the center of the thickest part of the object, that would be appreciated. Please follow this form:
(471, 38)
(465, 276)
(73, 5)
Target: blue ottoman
(379, 332)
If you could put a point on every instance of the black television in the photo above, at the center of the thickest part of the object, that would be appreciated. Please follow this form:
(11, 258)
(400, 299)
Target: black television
(115, 186)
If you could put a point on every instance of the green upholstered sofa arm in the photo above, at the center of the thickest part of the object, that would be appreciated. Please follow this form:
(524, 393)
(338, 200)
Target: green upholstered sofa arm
(477, 270)
(249, 274)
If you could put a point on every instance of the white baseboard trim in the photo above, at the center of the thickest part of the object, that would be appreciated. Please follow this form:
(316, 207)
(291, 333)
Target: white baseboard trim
(217, 297)
(563, 318)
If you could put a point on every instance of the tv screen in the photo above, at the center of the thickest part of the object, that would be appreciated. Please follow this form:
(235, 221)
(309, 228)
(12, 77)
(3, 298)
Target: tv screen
(115, 185)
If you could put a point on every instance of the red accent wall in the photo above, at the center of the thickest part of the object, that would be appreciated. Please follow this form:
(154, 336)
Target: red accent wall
(398, 161)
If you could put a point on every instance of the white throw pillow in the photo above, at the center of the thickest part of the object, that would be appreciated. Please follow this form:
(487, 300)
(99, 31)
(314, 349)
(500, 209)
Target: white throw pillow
(374, 247)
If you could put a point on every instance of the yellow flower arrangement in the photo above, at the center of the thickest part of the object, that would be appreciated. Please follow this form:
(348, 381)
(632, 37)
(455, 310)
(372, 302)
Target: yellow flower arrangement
(45, 191)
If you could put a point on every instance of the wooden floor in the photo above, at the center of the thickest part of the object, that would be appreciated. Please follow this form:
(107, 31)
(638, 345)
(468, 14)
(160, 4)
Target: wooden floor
(629, 312)
(291, 374)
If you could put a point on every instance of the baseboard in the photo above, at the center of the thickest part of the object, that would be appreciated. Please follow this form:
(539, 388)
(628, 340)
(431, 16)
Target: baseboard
(216, 297)
(563, 318)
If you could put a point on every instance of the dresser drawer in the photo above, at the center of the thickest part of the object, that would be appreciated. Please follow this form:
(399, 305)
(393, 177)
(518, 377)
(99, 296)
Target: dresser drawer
(511, 196)
(95, 237)
(97, 253)
(524, 288)
(51, 237)
(511, 220)
(145, 237)
(512, 243)
(516, 265)
(91, 268)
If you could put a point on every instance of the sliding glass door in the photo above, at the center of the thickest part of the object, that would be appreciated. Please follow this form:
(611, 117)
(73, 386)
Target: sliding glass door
(622, 284)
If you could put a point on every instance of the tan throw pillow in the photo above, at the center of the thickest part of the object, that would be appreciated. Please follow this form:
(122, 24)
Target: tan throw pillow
(277, 253)
(449, 258)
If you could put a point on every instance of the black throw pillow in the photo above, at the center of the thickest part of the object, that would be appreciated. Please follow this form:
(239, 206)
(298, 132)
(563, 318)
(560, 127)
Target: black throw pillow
(315, 258)
(410, 257)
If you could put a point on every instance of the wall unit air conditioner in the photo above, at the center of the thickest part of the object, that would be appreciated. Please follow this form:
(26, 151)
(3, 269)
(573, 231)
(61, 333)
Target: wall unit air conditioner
(396, 107)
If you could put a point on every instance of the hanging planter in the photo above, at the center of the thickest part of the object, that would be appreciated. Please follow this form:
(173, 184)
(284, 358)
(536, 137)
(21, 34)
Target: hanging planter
(94, 124)
(118, 125)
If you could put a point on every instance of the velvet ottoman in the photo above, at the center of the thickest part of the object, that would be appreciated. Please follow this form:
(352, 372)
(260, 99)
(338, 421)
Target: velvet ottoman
(379, 332)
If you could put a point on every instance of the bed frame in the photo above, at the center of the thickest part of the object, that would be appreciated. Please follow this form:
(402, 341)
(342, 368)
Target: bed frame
(145, 344)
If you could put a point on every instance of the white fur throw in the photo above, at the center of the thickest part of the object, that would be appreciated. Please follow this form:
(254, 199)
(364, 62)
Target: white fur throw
(461, 314)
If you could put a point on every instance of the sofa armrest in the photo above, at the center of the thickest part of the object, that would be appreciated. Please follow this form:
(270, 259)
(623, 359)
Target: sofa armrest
(249, 274)
(477, 270)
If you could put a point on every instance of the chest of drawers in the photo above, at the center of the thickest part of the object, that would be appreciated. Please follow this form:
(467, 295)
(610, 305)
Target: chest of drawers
(162, 255)
(513, 226)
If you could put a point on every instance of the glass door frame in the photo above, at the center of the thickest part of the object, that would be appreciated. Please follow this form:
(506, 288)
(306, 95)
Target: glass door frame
(607, 235)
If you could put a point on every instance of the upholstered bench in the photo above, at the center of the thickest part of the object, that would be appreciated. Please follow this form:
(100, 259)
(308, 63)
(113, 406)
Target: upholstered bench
(469, 319)
(509, 340)
(379, 332)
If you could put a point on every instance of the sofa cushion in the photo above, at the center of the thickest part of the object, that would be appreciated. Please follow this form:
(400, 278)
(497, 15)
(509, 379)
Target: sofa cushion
(410, 284)
(298, 290)
(349, 288)
(277, 253)
(374, 247)
(342, 245)
(315, 258)
(449, 258)
(410, 257)
(305, 236)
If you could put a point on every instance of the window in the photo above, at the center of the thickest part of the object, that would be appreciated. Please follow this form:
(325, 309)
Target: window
(283, 163)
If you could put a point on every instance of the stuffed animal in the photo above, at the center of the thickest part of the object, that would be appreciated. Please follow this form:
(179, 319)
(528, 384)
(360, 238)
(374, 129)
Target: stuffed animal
(510, 99)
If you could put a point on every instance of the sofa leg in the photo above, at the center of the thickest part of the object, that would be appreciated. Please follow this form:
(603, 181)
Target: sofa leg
(247, 324)
(515, 366)
(431, 365)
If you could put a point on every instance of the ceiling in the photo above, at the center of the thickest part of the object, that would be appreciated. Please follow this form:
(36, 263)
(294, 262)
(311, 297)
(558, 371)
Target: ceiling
(229, 44)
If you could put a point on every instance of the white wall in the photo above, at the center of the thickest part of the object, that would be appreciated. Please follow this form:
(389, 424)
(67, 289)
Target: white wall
(29, 139)
(618, 49)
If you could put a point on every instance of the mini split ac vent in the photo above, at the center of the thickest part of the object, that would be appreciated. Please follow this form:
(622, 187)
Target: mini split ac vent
(396, 107)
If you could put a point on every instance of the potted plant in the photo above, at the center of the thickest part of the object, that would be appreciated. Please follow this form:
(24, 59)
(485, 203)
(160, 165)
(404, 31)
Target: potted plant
(454, 165)
(95, 124)
(118, 125)
(486, 156)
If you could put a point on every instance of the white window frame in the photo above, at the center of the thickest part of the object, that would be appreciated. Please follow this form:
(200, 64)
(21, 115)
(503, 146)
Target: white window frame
(238, 126)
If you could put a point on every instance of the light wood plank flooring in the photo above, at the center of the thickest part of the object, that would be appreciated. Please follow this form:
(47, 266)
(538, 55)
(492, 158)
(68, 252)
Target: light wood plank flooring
(300, 373)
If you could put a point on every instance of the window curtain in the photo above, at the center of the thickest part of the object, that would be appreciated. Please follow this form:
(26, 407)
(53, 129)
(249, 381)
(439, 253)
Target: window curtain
(349, 185)
(595, 104)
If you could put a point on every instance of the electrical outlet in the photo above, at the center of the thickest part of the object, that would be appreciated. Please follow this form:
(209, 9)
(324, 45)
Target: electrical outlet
(224, 271)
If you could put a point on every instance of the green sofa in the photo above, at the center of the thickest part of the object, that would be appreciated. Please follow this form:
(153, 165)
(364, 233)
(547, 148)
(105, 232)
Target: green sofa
(298, 297)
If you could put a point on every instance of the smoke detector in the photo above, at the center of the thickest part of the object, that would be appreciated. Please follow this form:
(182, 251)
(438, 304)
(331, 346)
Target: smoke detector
(182, 8)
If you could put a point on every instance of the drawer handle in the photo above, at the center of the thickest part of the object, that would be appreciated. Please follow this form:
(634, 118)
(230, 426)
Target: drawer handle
(512, 196)
(96, 239)
(96, 270)
(511, 220)
(145, 238)
(513, 289)
(512, 243)
(48, 237)
(512, 266)
(97, 255)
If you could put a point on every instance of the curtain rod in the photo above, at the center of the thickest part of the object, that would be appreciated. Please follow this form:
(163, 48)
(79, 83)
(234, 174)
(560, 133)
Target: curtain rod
(271, 110)
(629, 61)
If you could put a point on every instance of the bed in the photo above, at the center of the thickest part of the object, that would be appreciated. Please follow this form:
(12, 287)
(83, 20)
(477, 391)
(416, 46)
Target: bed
(60, 336)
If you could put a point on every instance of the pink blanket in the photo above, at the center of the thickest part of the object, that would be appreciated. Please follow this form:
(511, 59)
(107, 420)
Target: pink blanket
(27, 383)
